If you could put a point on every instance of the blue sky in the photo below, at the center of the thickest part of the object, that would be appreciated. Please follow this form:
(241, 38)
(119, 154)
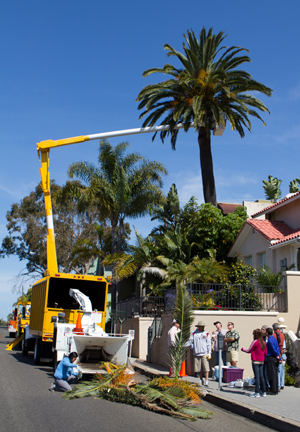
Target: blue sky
(71, 67)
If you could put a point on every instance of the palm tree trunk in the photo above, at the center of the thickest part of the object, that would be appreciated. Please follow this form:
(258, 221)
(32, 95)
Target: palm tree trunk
(206, 163)
(121, 231)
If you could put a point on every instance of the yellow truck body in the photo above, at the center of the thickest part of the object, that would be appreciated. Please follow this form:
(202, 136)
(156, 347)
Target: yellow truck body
(50, 297)
(23, 318)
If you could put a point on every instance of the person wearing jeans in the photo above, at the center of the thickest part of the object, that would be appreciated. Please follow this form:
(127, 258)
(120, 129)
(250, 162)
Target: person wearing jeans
(258, 351)
(265, 338)
(66, 373)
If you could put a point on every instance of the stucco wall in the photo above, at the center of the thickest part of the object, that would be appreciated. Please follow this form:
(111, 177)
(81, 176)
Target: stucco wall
(244, 323)
(255, 244)
(140, 343)
(289, 213)
(256, 206)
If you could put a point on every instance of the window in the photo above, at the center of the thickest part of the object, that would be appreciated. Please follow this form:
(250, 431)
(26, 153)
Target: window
(262, 259)
(248, 260)
(283, 264)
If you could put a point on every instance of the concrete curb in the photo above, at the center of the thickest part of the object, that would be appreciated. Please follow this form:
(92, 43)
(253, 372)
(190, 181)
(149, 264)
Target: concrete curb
(265, 418)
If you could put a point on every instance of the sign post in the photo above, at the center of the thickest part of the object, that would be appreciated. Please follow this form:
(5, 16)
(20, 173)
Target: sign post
(220, 348)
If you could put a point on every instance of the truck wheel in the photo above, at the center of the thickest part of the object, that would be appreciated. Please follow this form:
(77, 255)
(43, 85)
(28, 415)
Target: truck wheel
(37, 352)
(24, 349)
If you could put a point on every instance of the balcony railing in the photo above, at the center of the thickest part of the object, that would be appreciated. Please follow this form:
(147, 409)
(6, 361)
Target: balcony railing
(231, 297)
(209, 297)
(150, 306)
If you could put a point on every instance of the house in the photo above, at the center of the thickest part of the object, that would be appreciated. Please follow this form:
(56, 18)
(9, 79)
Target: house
(271, 236)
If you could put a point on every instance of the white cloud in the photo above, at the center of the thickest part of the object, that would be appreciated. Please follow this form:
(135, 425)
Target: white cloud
(20, 191)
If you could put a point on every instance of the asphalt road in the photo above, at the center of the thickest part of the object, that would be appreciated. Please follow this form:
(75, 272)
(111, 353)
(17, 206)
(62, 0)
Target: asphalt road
(27, 405)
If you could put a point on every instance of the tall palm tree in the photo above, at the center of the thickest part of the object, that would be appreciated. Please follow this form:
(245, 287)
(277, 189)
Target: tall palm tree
(123, 186)
(206, 90)
(168, 212)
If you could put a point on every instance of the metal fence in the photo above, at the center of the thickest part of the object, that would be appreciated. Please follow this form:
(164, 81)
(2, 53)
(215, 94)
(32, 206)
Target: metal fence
(150, 306)
(232, 297)
(209, 297)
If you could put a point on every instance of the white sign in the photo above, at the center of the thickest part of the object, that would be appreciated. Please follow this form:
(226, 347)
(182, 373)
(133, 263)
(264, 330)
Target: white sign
(131, 333)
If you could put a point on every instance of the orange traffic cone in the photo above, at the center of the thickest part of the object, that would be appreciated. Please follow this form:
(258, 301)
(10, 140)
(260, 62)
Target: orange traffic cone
(182, 370)
(78, 329)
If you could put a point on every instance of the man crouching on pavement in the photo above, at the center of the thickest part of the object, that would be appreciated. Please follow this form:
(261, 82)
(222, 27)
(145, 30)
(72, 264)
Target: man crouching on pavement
(200, 342)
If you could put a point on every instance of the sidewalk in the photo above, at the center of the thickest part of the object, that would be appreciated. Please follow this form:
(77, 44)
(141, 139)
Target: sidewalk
(279, 412)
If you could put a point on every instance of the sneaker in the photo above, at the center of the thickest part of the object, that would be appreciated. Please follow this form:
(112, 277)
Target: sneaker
(255, 395)
(263, 394)
(196, 375)
(200, 382)
(206, 383)
(52, 388)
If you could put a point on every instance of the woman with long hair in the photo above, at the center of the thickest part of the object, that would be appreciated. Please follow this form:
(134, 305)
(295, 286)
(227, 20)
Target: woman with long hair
(258, 350)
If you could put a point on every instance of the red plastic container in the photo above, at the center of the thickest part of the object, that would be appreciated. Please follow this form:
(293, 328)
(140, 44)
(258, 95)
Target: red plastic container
(232, 374)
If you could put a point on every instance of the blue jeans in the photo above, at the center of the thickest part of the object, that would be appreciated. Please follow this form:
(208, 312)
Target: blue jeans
(258, 370)
(281, 374)
(217, 358)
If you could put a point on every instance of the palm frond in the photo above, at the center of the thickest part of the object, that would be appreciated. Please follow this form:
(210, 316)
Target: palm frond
(183, 313)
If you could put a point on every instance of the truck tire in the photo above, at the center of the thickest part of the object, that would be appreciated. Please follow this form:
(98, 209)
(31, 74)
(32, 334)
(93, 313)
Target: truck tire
(24, 349)
(37, 351)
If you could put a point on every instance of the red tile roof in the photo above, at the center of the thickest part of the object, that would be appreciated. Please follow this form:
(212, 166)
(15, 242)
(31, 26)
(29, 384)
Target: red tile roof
(275, 231)
(276, 204)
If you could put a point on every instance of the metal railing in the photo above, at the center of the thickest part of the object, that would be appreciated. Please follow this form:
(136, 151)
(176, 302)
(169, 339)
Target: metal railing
(209, 297)
(150, 306)
(231, 297)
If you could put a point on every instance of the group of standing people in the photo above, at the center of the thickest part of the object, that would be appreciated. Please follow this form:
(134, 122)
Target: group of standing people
(267, 353)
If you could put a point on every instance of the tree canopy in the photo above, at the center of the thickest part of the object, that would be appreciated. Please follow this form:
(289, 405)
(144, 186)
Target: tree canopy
(27, 231)
(208, 89)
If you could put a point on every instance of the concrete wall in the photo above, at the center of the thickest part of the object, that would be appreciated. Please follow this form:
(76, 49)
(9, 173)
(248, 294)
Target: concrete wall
(245, 323)
(255, 244)
(256, 206)
(289, 213)
(292, 316)
(140, 343)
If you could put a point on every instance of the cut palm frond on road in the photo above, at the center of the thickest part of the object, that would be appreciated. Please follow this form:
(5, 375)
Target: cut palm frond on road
(168, 396)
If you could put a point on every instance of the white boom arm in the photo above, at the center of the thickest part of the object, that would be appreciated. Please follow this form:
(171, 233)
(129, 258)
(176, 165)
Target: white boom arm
(82, 300)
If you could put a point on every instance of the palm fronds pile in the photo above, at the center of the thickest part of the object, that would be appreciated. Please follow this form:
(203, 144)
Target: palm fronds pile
(168, 396)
